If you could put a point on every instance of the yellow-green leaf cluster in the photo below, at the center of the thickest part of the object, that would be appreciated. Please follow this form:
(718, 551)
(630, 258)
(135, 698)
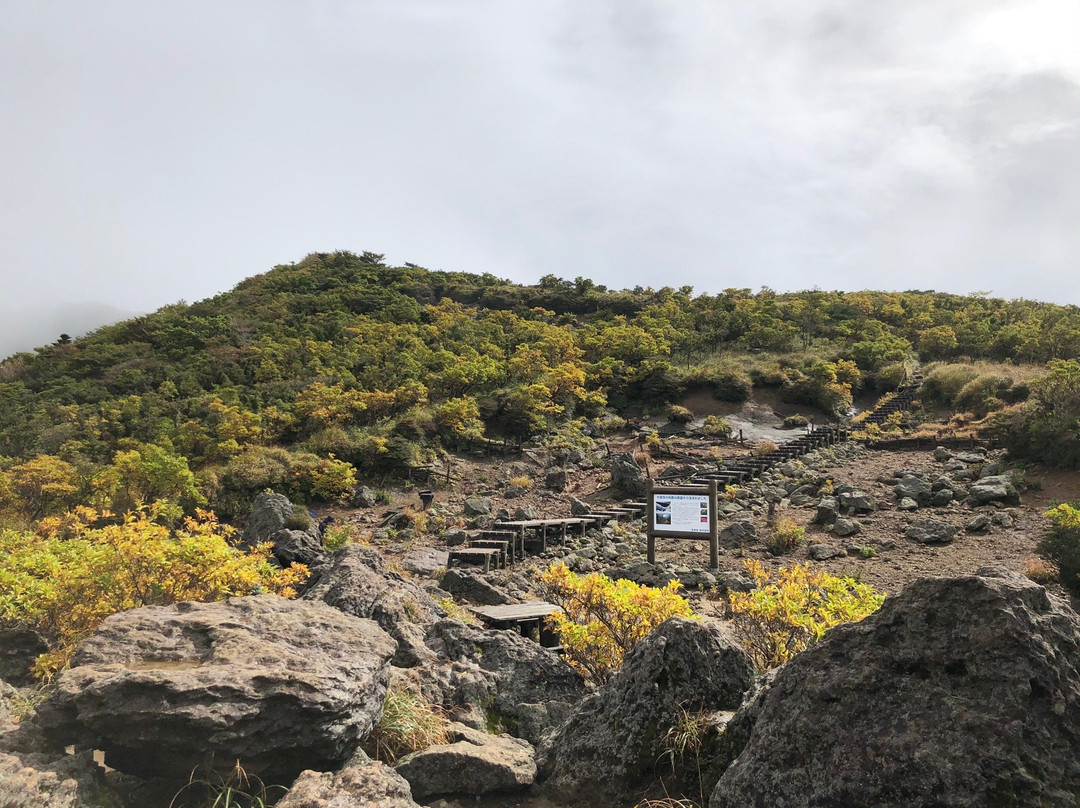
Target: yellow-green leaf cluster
(783, 616)
(602, 619)
(66, 586)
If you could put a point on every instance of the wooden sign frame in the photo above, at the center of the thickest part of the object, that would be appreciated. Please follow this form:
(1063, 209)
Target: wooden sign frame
(711, 491)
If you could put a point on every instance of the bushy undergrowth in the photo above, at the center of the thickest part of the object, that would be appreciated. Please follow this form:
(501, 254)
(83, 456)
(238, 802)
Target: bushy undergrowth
(785, 614)
(1061, 544)
(68, 577)
(785, 537)
(602, 619)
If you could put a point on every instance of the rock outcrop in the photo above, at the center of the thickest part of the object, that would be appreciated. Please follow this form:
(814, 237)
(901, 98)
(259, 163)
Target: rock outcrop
(281, 685)
(271, 515)
(959, 692)
(20, 645)
(614, 738)
(502, 679)
(357, 582)
(474, 763)
(41, 781)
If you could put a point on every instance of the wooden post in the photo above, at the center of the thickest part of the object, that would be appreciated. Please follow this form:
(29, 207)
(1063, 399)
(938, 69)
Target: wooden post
(650, 554)
(714, 527)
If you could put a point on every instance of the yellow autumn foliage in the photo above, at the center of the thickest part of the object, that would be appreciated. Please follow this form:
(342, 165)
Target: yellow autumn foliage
(602, 619)
(68, 577)
(781, 617)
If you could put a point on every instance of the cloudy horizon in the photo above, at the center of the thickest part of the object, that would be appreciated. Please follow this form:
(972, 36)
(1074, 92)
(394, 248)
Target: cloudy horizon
(153, 153)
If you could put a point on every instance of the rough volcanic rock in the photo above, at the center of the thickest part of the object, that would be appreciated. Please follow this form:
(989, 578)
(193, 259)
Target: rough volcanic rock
(843, 526)
(979, 523)
(556, 479)
(20, 645)
(473, 588)
(513, 682)
(931, 531)
(823, 552)
(739, 534)
(958, 693)
(614, 738)
(363, 782)
(362, 497)
(269, 514)
(579, 508)
(627, 476)
(856, 501)
(297, 547)
(474, 763)
(281, 685)
(357, 583)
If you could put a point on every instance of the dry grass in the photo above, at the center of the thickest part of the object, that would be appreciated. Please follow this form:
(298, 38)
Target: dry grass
(1041, 571)
(408, 724)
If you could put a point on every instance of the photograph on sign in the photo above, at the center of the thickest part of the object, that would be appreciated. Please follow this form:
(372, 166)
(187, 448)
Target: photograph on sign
(681, 513)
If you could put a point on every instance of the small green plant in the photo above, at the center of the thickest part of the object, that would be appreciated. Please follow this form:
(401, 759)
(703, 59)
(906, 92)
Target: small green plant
(335, 537)
(408, 723)
(602, 619)
(795, 421)
(382, 497)
(235, 789)
(867, 551)
(456, 612)
(682, 743)
(786, 536)
(781, 617)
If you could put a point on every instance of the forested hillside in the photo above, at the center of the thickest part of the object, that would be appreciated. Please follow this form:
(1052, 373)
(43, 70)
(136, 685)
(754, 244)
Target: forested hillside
(313, 373)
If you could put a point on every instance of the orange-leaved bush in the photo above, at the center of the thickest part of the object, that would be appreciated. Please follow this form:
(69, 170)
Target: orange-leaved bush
(602, 619)
(70, 576)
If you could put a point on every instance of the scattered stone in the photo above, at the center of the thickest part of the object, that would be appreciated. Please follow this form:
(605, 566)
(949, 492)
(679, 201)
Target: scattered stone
(455, 537)
(282, 685)
(696, 579)
(941, 498)
(363, 782)
(979, 523)
(525, 514)
(1003, 519)
(907, 504)
(968, 686)
(931, 531)
(858, 502)
(613, 740)
(362, 497)
(827, 511)
(474, 763)
(843, 527)
(734, 581)
(739, 534)
(478, 506)
(941, 454)
(627, 476)
(357, 582)
(823, 552)
(297, 547)
(472, 587)
(642, 572)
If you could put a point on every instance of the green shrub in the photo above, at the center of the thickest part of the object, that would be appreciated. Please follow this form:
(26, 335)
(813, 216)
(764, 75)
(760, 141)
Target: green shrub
(1061, 544)
(679, 415)
(717, 425)
(299, 519)
(795, 421)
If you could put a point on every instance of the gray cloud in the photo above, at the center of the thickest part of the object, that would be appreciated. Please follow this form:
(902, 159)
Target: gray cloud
(153, 152)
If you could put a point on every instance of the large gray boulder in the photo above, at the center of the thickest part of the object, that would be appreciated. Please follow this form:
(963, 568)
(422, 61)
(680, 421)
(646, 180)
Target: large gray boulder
(959, 693)
(827, 511)
(298, 547)
(994, 489)
(357, 582)
(627, 476)
(473, 763)
(473, 587)
(269, 514)
(512, 682)
(270, 520)
(363, 782)
(602, 753)
(281, 685)
(478, 506)
(34, 780)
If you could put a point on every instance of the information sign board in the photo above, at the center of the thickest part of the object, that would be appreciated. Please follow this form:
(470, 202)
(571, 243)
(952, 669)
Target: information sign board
(681, 513)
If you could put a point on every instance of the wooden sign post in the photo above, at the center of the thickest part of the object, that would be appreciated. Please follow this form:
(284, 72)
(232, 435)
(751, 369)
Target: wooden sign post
(684, 512)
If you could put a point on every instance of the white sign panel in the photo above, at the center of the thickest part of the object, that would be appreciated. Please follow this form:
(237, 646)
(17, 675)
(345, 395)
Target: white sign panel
(681, 513)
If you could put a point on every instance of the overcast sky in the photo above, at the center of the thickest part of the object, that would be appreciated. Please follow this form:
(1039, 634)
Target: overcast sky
(156, 151)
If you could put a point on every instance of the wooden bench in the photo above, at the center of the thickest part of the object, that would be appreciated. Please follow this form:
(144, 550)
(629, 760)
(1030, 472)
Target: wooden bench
(474, 556)
(525, 618)
(502, 545)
